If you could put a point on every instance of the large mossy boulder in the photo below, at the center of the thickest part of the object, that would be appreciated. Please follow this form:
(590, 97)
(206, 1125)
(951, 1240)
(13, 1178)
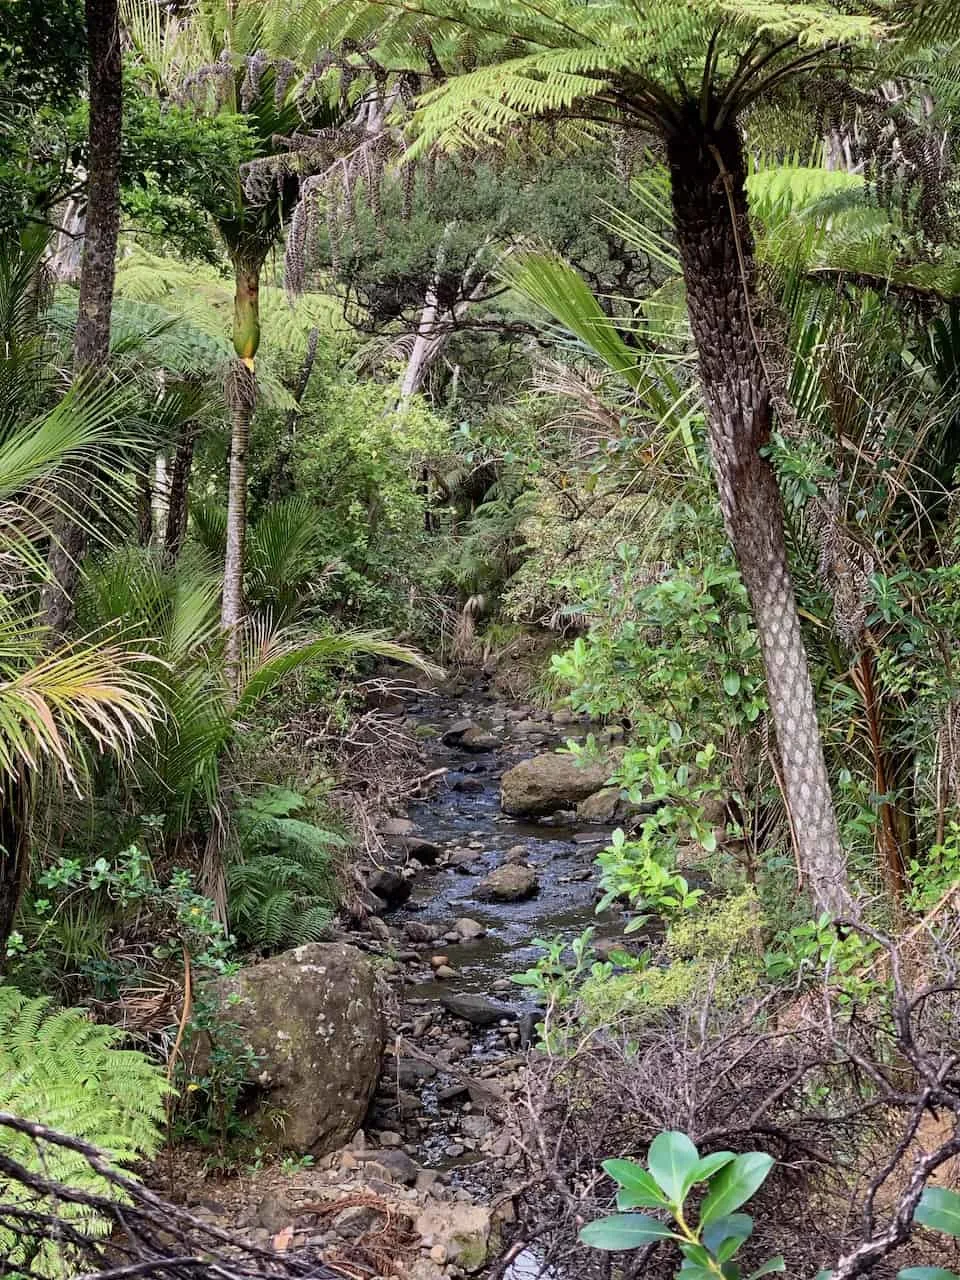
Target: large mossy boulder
(540, 786)
(313, 1018)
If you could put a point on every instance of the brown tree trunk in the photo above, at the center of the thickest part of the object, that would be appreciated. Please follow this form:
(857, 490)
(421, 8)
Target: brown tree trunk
(102, 226)
(178, 508)
(241, 397)
(708, 173)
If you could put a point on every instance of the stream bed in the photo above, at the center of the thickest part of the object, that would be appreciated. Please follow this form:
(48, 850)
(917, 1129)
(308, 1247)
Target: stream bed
(442, 1128)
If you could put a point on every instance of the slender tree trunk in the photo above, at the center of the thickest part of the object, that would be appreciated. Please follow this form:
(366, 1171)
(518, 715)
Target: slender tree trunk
(102, 226)
(178, 508)
(281, 481)
(708, 173)
(144, 509)
(241, 398)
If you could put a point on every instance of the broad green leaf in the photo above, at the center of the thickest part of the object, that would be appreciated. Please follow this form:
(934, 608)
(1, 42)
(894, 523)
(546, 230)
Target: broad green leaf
(671, 1158)
(637, 1182)
(735, 1184)
(624, 1231)
(731, 683)
(691, 1271)
(707, 1166)
(735, 1227)
(939, 1208)
(773, 1264)
(696, 1254)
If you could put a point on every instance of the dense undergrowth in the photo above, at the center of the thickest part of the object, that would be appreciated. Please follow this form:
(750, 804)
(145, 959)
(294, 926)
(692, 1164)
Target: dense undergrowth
(364, 398)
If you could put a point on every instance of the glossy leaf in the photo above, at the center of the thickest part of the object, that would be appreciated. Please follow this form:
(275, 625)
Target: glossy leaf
(637, 1183)
(774, 1264)
(735, 1184)
(707, 1166)
(718, 1235)
(624, 1231)
(939, 1208)
(672, 1158)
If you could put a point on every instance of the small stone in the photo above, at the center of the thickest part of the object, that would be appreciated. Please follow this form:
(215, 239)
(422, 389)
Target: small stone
(437, 961)
(479, 740)
(469, 929)
(348, 1160)
(438, 1253)
(397, 827)
(517, 853)
(387, 1138)
(274, 1212)
(444, 971)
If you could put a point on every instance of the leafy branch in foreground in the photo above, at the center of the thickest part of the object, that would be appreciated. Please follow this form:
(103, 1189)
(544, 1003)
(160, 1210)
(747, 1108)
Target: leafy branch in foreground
(710, 1244)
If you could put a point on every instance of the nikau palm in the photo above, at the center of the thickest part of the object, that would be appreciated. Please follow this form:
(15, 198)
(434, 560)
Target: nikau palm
(687, 72)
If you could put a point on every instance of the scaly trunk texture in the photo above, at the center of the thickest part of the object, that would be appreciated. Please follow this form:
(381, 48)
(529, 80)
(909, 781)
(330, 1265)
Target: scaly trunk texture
(102, 226)
(708, 173)
(241, 398)
(178, 508)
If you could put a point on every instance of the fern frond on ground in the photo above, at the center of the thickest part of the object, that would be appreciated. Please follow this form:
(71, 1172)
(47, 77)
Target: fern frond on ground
(60, 1068)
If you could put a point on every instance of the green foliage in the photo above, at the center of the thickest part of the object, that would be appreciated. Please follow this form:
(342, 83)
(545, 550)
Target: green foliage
(675, 1167)
(714, 946)
(679, 656)
(630, 870)
(82, 923)
(357, 460)
(60, 1068)
(282, 885)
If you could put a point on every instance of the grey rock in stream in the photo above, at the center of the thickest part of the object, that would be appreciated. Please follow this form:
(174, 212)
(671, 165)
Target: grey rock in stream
(510, 883)
(312, 1017)
(548, 783)
(478, 740)
(453, 734)
(477, 1010)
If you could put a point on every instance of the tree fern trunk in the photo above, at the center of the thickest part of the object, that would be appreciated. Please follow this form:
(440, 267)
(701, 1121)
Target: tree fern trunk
(102, 226)
(178, 508)
(708, 173)
(241, 399)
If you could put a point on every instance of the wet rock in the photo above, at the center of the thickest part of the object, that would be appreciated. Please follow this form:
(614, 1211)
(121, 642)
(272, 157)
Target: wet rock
(510, 883)
(396, 1164)
(425, 851)
(469, 786)
(414, 931)
(603, 806)
(479, 740)
(452, 736)
(517, 853)
(312, 1017)
(377, 929)
(397, 827)
(444, 972)
(477, 1010)
(469, 929)
(387, 1138)
(563, 715)
(549, 782)
(390, 886)
(409, 1072)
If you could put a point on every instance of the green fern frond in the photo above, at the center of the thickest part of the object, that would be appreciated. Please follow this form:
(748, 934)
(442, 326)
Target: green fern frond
(58, 1067)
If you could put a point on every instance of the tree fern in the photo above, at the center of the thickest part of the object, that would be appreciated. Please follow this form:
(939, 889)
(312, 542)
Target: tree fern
(58, 1067)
